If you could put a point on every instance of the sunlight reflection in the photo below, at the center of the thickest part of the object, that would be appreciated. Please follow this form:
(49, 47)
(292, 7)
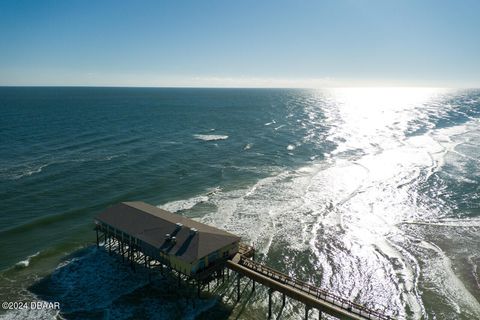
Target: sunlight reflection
(370, 116)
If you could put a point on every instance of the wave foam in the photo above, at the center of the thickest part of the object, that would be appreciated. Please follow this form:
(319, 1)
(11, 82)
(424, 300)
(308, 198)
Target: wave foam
(25, 263)
(210, 137)
(186, 204)
(180, 205)
(22, 172)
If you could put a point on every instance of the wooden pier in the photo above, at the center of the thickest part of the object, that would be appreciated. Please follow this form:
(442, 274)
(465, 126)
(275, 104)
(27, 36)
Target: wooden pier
(245, 266)
(306, 293)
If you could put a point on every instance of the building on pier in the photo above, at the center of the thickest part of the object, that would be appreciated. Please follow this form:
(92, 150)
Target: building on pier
(198, 253)
(184, 245)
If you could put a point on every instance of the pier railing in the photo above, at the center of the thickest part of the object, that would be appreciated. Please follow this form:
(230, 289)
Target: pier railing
(311, 290)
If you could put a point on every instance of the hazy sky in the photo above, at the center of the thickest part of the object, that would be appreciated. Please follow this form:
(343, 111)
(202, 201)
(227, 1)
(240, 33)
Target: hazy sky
(240, 43)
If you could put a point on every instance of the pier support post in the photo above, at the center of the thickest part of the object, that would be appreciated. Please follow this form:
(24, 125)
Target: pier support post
(132, 258)
(283, 300)
(319, 314)
(307, 308)
(238, 287)
(96, 231)
(253, 285)
(270, 291)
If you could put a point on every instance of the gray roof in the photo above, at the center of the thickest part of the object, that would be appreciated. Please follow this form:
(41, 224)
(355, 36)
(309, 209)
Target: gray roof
(151, 224)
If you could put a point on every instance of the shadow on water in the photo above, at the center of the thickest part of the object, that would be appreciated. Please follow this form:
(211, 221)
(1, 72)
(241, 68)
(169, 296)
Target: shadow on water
(91, 284)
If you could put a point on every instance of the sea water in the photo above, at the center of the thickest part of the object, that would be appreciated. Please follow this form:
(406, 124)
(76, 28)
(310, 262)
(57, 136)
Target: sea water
(370, 193)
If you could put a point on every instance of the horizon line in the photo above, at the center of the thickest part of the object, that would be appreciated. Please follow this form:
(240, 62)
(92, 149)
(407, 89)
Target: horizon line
(233, 87)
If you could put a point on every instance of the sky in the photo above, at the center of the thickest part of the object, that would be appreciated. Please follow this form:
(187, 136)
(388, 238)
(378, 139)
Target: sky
(210, 43)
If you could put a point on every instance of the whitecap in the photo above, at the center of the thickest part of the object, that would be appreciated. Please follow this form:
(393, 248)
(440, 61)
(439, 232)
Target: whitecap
(24, 173)
(25, 263)
(210, 137)
(248, 146)
(180, 205)
(290, 147)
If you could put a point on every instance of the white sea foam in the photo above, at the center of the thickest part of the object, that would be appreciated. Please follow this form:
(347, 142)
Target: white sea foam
(186, 204)
(31, 314)
(291, 147)
(439, 277)
(17, 172)
(189, 203)
(23, 171)
(210, 137)
(25, 263)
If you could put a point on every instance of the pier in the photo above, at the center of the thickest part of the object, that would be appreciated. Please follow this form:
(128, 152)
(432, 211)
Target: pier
(197, 254)
(306, 293)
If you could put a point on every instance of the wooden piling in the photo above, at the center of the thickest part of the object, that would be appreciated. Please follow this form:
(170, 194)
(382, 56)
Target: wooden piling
(238, 287)
(270, 291)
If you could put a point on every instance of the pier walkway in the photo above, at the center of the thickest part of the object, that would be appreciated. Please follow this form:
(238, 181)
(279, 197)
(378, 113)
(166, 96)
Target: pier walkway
(306, 293)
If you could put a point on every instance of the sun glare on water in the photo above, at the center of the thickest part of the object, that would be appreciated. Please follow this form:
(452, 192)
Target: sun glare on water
(376, 106)
(368, 116)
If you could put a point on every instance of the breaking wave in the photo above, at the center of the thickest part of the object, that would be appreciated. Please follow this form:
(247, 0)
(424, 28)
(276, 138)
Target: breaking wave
(210, 137)
(25, 263)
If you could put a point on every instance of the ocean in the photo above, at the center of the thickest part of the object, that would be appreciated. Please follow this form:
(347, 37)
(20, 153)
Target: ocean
(370, 193)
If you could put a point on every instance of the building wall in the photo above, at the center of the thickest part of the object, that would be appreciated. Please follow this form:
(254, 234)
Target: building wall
(180, 265)
(207, 261)
(202, 263)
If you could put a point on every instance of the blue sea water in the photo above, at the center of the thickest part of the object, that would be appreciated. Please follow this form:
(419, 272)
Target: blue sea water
(372, 193)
